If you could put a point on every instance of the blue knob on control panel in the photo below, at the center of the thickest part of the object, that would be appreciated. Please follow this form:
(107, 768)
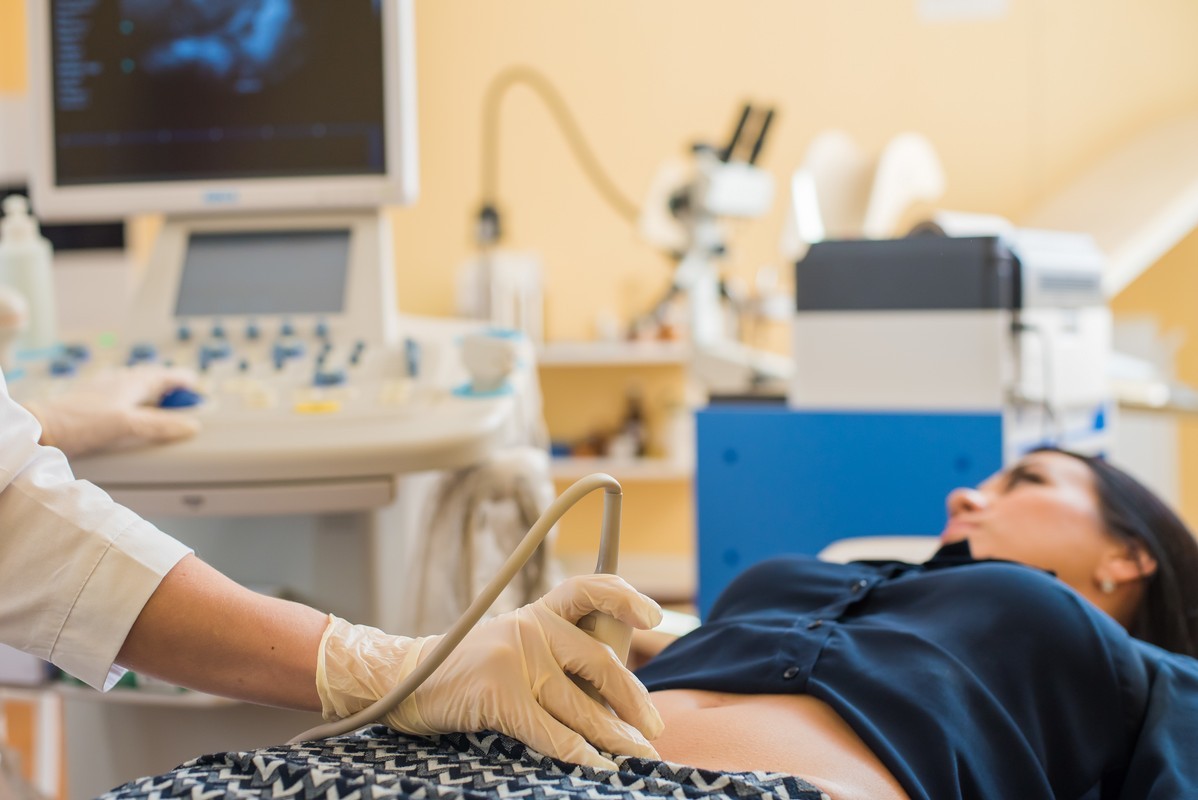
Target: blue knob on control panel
(322, 329)
(212, 351)
(411, 349)
(285, 349)
(252, 331)
(63, 367)
(183, 334)
(330, 377)
(218, 330)
(287, 329)
(77, 352)
(142, 351)
(180, 398)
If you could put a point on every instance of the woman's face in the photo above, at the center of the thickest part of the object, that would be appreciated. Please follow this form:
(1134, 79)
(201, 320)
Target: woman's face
(1044, 511)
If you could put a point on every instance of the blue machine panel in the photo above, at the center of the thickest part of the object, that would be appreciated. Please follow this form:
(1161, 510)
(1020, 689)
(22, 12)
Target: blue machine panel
(773, 480)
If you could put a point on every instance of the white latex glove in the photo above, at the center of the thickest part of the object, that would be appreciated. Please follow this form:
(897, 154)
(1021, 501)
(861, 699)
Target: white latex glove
(509, 675)
(115, 406)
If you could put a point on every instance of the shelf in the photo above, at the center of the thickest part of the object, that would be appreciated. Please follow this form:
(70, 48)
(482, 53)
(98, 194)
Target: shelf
(143, 697)
(601, 354)
(630, 469)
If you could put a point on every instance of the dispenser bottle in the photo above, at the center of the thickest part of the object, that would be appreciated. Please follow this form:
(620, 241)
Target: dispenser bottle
(25, 265)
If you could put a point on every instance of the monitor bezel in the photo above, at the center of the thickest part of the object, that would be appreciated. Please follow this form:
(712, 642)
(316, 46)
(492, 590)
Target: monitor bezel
(398, 186)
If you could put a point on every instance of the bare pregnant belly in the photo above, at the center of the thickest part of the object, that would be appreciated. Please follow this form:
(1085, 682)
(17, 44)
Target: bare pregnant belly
(795, 734)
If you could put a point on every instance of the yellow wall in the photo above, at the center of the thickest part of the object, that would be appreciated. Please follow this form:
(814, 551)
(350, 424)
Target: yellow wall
(12, 46)
(1016, 107)
(1168, 292)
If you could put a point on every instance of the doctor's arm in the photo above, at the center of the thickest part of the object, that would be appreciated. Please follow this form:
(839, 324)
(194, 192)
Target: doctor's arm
(85, 583)
(202, 630)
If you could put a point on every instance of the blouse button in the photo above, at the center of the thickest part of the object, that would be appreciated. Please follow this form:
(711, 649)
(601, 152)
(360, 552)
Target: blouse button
(790, 673)
(858, 585)
(815, 623)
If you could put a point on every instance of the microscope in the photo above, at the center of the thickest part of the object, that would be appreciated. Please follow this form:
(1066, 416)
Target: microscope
(686, 214)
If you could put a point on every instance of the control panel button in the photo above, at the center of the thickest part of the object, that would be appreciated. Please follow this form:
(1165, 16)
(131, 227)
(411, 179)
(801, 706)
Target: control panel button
(259, 397)
(214, 351)
(180, 397)
(77, 352)
(287, 348)
(141, 352)
(329, 377)
(63, 367)
(317, 407)
(396, 392)
(412, 354)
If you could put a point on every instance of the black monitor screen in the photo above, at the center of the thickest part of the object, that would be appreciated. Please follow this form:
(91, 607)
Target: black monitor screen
(165, 90)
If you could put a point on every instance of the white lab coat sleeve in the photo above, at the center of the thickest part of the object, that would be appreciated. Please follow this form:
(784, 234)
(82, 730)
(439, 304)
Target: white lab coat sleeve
(76, 568)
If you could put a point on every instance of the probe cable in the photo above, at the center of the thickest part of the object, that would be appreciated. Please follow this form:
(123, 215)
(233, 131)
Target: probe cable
(609, 545)
(569, 126)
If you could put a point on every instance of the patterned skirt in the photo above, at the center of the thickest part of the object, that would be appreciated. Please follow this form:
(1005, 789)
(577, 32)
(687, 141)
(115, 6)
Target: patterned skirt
(378, 762)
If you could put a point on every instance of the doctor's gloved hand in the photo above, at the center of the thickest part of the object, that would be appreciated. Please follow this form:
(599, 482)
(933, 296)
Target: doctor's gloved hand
(113, 407)
(509, 675)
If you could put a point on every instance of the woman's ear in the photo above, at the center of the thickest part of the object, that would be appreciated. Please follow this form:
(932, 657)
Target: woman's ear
(1130, 562)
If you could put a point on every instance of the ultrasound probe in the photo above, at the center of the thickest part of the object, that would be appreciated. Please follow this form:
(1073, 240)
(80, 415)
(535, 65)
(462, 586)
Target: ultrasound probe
(603, 627)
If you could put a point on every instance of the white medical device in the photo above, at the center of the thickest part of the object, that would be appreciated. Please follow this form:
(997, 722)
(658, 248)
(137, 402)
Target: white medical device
(686, 213)
(198, 107)
(272, 138)
(1014, 326)
(687, 207)
(305, 374)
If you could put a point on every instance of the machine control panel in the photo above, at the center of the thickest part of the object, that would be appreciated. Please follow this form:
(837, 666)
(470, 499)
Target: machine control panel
(308, 407)
(305, 371)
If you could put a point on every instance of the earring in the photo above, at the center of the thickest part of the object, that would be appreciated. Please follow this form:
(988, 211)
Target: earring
(1107, 586)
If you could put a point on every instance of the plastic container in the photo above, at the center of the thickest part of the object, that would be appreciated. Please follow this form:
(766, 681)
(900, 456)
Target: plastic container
(25, 265)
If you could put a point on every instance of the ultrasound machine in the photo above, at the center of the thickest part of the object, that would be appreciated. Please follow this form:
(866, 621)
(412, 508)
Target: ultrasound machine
(273, 136)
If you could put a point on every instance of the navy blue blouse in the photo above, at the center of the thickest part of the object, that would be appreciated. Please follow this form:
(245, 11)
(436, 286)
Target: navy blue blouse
(968, 679)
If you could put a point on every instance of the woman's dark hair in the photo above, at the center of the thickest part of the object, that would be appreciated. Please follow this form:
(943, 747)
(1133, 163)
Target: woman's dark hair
(1168, 615)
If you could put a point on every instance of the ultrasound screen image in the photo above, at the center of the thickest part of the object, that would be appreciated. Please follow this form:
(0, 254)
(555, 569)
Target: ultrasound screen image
(245, 45)
(156, 90)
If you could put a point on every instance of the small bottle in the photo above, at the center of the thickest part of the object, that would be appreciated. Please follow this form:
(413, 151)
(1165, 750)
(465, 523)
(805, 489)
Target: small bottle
(25, 262)
(634, 424)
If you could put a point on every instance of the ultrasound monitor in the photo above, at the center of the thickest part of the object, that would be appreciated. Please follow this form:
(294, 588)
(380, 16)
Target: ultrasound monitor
(197, 106)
